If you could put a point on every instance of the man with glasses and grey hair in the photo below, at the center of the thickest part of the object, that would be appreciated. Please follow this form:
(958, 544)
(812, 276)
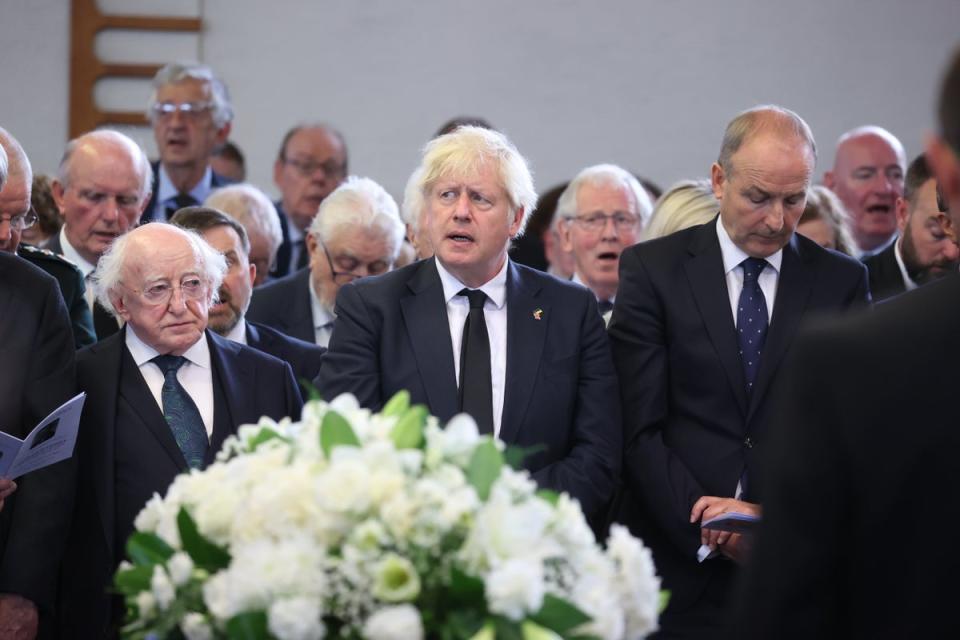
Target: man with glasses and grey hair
(191, 115)
(357, 233)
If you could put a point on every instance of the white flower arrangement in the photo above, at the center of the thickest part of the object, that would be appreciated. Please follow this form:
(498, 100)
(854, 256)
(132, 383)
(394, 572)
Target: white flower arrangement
(351, 524)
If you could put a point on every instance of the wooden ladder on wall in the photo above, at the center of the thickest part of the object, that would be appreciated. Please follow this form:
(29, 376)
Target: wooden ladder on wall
(86, 21)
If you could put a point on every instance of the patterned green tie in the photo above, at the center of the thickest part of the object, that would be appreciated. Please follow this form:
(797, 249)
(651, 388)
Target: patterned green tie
(181, 413)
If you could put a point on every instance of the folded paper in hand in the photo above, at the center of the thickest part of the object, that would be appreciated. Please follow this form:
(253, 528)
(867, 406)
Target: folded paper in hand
(51, 441)
(734, 522)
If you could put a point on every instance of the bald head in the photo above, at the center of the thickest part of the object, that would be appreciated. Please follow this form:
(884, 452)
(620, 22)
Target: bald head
(14, 189)
(764, 119)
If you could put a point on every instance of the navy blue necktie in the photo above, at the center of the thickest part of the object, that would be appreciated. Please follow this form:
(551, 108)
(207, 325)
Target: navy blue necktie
(181, 413)
(180, 201)
(605, 305)
(476, 388)
(752, 320)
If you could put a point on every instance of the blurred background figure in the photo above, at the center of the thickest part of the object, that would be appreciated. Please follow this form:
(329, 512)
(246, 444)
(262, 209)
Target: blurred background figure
(48, 218)
(826, 222)
(252, 208)
(685, 204)
(229, 162)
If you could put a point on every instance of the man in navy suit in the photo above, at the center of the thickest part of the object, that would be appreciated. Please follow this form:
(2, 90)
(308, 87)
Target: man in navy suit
(522, 352)
(702, 321)
(229, 238)
(191, 114)
(162, 395)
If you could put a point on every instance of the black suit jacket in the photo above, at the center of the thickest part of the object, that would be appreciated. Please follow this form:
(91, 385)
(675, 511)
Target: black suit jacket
(104, 324)
(886, 280)
(860, 515)
(149, 215)
(303, 357)
(392, 333)
(36, 376)
(127, 452)
(284, 305)
(72, 287)
(281, 266)
(690, 428)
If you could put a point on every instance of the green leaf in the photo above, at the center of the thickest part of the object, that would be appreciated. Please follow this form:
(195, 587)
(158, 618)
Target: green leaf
(464, 624)
(484, 467)
(133, 581)
(205, 554)
(664, 600)
(248, 626)
(397, 405)
(147, 549)
(313, 394)
(507, 629)
(514, 455)
(264, 435)
(465, 590)
(408, 432)
(335, 431)
(559, 615)
(548, 496)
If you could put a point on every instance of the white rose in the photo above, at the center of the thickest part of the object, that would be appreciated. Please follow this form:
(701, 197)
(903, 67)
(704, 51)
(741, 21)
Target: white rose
(161, 587)
(637, 582)
(401, 622)
(395, 579)
(296, 619)
(515, 589)
(195, 627)
(146, 605)
(180, 567)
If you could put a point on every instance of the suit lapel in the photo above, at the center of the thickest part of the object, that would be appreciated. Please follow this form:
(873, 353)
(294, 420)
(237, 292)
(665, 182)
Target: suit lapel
(425, 316)
(104, 386)
(104, 324)
(709, 285)
(230, 379)
(528, 318)
(302, 312)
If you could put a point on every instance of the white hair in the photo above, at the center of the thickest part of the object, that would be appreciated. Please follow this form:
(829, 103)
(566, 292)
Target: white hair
(108, 137)
(250, 207)
(605, 175)
(110, 268)
(413, 201)
(460, 154)
(178, 72)
(359, 202)
(3, 167)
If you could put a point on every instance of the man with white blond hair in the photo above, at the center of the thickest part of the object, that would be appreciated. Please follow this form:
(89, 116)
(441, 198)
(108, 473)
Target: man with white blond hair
(162, 395)
(356, 234)
(470, 331)
(601, 212)
(252, 208)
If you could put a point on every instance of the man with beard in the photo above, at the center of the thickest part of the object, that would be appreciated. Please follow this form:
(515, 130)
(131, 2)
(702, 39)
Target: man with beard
(924, 251)
(229, 237)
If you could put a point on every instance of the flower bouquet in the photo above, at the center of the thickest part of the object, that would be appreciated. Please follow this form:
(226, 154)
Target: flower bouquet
(352, 524)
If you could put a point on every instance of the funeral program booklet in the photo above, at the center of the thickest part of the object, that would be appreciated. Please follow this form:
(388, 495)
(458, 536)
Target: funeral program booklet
(51, 441)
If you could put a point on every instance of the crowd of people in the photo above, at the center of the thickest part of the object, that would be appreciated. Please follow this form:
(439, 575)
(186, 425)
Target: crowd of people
(664, 358)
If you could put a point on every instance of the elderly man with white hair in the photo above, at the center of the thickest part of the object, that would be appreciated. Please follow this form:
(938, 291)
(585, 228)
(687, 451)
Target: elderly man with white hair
(470, 331)
(252, 208)
(357, 233)
(162, 395)
(601, 212)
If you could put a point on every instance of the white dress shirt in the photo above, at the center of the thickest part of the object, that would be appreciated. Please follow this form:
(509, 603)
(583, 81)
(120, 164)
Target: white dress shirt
(195, 375)
(87, 269)
(732, 257)
(166, 192)
(238, 333)
(495, 317)
(322, 318)
(907, 280)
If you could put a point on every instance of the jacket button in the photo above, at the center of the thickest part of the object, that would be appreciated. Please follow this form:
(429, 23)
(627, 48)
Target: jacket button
(748, 443)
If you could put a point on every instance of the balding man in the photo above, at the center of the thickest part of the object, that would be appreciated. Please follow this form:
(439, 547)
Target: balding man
(252, 208)
(867, 176)
(702, 322)
(162, 395)
(15, 199)
(101, 190)
(311, 163)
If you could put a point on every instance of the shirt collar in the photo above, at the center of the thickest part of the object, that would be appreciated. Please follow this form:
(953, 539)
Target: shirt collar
(198, 354)
(576, 278)
(898, 254)
(734, 255)
(239, 332)
(200, 191)
(321, 315)
(73, 256)
(495, 288)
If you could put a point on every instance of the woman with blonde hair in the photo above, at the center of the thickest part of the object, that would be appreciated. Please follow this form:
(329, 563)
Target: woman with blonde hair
(825, 221)
(686, 204)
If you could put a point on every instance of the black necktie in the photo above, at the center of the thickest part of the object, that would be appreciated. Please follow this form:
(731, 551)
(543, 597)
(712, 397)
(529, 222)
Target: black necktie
(179, 202)
(181, 413)
(605, 305)
(751, 319)
(476, 389)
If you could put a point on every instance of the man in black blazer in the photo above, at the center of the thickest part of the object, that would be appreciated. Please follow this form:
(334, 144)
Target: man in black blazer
(229, 238)
(191, 114)
(522, 352)
(162, 395)
(859, 521)
(702, 322)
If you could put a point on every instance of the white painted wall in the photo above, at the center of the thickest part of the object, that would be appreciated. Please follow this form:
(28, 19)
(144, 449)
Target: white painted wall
(648, 84)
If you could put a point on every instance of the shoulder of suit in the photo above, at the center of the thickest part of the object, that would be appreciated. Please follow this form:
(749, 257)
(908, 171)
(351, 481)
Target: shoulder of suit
(295, 343)
(45, 257)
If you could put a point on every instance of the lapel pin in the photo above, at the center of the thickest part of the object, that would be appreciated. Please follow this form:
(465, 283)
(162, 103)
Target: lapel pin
(538, 314)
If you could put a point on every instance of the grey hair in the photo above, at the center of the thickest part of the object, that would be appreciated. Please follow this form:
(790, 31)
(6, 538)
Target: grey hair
(250, 207)
(750, 122)
(462, 152)
(359, 202)
(109, 272)
(686, 204)
(178, 72)
(413, 202)
(3, 167)
(111, 137)
(605, 174)
(16, 164)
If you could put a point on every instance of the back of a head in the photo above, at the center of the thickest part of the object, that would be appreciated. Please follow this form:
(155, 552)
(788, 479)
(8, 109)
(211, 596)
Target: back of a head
(251, 208)
(202, 219)
(758, 120)
(686, 204)
(359, 203)
(603, 175)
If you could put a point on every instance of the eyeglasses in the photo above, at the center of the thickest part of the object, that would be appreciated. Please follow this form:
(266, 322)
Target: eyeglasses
(306, 168)
(186, 109)
(597, 222)
(343, 277)
(21, 221)
(191, 288)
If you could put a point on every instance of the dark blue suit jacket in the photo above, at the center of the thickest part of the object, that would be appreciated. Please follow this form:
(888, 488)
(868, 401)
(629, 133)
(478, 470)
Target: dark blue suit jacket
(284, 305)
(392, 333)
(281, 265)
(303, 357)
(123, 435)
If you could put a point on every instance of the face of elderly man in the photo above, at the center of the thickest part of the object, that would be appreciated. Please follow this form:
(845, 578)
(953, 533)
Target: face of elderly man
(104, 195)
(312, 165)
(351, 252)
(237, 286)
(163, 295)
(928, 250)
(763, 192)
(607, 221)
(187, 138)
(868, 178)
(470, 223)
